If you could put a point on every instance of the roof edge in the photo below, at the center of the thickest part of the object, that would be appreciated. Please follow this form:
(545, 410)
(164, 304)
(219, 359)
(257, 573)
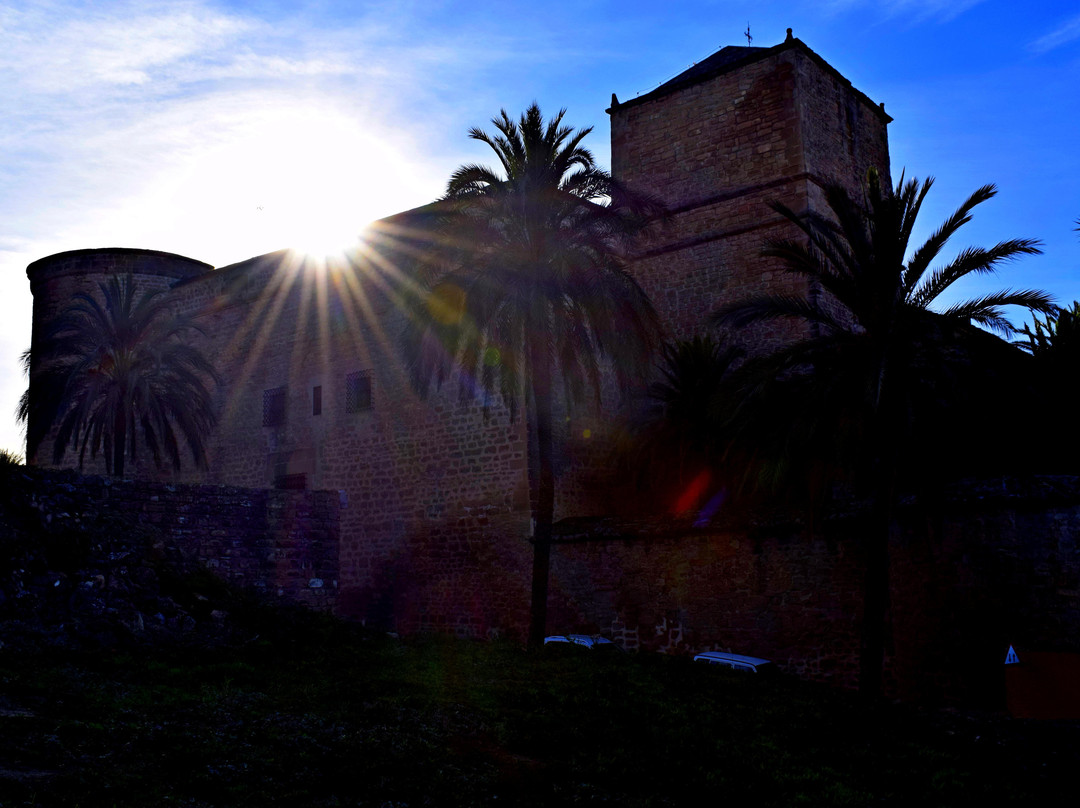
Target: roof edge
(119, 251)
(192, 266)
(789, 43)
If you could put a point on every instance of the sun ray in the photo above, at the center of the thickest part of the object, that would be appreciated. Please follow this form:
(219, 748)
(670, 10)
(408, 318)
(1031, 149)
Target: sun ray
(261, 320)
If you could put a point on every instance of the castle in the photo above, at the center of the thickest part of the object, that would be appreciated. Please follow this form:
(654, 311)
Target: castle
(435, 493)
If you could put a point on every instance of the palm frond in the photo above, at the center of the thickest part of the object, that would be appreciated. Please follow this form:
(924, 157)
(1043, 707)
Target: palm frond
(928, 252)
(879, 356)
(113, 364)
(987, 309)
(972, 260)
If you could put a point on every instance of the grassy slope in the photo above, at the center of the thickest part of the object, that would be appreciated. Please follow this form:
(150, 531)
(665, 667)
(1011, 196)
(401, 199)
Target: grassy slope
(312, 713)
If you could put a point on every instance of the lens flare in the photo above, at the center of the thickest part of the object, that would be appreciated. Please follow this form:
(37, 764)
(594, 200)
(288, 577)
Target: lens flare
(692, 493)
(711, 508)
(446, 304)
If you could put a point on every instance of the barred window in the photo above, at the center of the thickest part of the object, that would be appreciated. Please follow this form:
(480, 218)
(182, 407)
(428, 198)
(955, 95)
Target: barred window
(358, 391)
(274, 406)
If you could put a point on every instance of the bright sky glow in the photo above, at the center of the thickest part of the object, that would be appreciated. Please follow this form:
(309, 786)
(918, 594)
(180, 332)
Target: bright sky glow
(222, 130)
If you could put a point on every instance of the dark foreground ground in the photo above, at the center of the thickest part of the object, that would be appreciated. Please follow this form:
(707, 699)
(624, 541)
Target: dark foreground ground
(308, 712)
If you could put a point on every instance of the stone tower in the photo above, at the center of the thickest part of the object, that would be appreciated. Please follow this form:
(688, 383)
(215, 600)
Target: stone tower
(57, 279)
(717, 144)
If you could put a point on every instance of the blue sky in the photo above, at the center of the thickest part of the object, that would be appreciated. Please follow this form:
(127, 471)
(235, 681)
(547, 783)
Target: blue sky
(223, 130)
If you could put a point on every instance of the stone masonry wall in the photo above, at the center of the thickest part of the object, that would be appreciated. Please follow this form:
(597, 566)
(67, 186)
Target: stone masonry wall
(412, 469)
(284, 543)
(408, 467)
(718, 151)
(715, 152)
(992, 565)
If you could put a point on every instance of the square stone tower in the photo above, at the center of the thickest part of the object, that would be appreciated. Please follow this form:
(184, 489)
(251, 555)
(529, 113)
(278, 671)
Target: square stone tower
(717, 144)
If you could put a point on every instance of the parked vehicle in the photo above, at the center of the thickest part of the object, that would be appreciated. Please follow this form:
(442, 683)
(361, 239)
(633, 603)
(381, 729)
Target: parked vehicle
(738, 662)
(592, 642)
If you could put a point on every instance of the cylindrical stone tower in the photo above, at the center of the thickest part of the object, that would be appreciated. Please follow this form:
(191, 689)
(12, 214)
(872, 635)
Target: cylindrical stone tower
(56, 279)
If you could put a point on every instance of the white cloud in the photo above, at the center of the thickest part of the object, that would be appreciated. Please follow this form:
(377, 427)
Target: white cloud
(1066, 32)
(51, 50)
(168, 125)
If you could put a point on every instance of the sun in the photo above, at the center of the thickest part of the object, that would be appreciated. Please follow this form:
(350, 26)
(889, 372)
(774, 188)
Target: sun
(309, 177)
(324, 234)
(327, 184)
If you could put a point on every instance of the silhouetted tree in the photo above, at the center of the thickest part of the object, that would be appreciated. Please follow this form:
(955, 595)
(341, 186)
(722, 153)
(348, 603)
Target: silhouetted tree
(1049, 409)
(1057, 333)
(878, 361)
(536, 292)
(113, 370)
(678, 438)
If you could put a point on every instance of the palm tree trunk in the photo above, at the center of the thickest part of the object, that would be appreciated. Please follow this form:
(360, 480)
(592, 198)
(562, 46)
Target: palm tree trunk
(876, 580)
(119, 447)
(875, 598)
(545, 500)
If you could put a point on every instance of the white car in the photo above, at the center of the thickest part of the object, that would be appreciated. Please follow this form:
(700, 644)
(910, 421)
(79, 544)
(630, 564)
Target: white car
(737, 662)
(590, 641)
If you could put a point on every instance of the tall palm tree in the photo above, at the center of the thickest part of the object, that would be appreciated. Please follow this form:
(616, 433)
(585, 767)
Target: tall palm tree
(536, 292)
(111, 370)
(880, 361)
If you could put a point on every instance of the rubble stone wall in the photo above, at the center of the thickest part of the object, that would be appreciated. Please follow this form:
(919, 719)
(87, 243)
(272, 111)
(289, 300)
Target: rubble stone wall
(284, 543)
(993, 565)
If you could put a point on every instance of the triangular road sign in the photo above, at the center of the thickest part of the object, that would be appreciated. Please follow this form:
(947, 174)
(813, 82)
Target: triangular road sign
(1011, 658)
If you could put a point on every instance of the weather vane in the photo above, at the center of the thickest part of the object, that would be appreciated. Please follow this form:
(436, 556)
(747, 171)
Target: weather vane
(746, 34)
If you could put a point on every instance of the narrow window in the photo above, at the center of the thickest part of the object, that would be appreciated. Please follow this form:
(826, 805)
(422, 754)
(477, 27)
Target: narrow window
(316, 400)
(273, 413)
(358, 391)
(291, 482)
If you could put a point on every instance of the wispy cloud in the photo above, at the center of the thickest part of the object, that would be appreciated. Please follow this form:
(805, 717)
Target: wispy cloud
(1066, 32)
(103, 100)
(200, 128)
(916, 11)
(50, 50)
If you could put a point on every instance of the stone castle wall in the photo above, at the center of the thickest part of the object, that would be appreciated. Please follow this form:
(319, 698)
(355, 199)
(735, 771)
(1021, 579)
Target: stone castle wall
(412, 468)
(424, 474)
(993, 565)
(283, 543)
(409, 466)
(426, 520)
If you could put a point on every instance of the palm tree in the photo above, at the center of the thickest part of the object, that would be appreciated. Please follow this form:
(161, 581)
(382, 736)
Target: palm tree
(1057, 333)
(880, 362)
(112, 370)
(536, 292)
(1048, 409)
